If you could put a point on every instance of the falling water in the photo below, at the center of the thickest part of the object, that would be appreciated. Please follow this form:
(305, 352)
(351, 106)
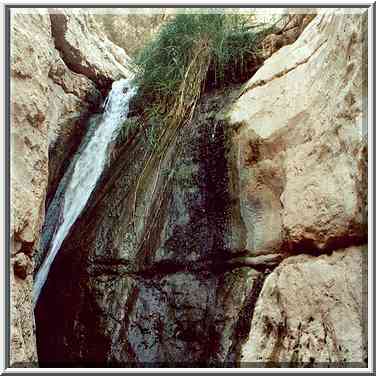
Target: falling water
(86, 171)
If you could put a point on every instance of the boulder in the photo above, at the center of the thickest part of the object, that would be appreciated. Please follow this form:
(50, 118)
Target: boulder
(311, 313)
(299, 140)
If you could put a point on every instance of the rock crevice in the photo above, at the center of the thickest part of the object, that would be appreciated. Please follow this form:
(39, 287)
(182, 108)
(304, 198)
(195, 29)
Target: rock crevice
(244, 246)
(86, 50)
(49, 107)
(262, 82)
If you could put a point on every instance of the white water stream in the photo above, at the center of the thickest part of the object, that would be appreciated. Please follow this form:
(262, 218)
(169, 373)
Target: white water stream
(87, 170)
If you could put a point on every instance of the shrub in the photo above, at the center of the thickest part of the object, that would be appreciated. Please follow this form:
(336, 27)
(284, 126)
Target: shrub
(232, 46)
(190, 53)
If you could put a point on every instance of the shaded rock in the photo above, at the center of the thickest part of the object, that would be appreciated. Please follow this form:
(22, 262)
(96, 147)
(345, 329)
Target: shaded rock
(22, 265)
(85, 48)
(132, 31)
(257, 196)
(73, 98)
(290, 29)
(310, 313)
(237, 295)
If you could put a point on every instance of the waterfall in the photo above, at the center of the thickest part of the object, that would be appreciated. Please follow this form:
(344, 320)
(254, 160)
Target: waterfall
(87, 169)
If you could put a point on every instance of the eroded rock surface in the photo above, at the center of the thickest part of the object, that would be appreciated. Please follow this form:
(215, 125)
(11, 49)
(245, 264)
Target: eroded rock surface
(292, 25)
(49, 105)
(86, 49)
(29, 166)
(132, 30)
(300, 147)
(311, 313)
(300, 141)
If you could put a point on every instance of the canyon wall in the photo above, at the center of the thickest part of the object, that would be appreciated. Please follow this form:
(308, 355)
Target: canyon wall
(178, 265)
(244, 244)
(132, 28)
(49, 103)
(301, 149)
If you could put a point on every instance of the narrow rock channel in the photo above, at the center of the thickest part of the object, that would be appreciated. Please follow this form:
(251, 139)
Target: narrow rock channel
(215, 219)
(167, 310)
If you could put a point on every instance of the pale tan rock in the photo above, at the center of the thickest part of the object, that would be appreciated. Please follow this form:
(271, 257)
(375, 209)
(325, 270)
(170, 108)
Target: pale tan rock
(29, 105)
(299, 143)
(131, 31)
(48, 101)
(22, 344)
(311, 311)
(31, 56)
(86, 49)
(323, 204)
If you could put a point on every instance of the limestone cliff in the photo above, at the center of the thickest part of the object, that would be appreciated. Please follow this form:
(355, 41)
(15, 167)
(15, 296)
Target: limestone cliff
(244, 244)
(178, 268)
(49, 102)
(301, 149)
(131, 29)
(85, 48)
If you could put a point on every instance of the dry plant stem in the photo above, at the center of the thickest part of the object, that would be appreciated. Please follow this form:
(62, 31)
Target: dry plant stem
(154, 186)
(156, 215)
(181, 113)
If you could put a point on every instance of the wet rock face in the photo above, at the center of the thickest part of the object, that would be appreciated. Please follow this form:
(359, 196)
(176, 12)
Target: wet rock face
(162, 295)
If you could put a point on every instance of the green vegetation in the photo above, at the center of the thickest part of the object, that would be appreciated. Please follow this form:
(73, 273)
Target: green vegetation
(190, 54)
(232, 47)
(128, 127)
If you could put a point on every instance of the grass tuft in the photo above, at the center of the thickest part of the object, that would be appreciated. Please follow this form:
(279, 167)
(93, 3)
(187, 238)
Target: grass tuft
(232, 47)
(191, 53)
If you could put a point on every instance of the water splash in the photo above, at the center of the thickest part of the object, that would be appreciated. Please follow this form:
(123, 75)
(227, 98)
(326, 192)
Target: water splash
(86, 171)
